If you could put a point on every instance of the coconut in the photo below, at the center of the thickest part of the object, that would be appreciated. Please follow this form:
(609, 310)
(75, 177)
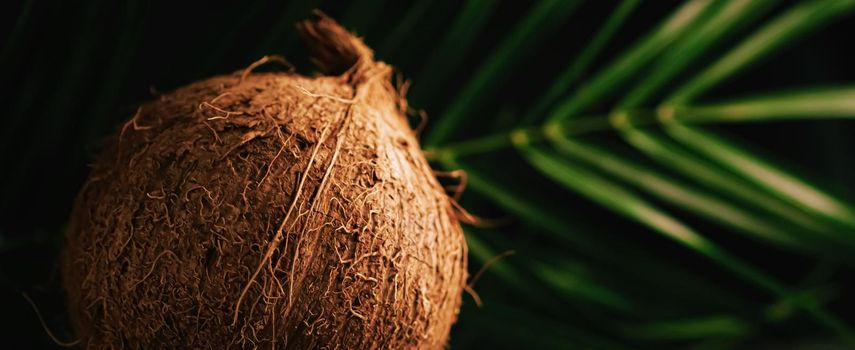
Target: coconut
(267, 210)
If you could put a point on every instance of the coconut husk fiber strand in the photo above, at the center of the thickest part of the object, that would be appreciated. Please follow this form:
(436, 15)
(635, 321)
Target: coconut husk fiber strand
(267, 210)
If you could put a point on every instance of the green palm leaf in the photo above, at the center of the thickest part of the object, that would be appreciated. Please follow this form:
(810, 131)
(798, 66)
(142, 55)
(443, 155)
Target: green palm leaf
(726, 183)
(811, 103)
(546, 15)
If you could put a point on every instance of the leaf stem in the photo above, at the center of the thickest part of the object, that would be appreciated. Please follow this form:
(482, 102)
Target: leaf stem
(569, 127)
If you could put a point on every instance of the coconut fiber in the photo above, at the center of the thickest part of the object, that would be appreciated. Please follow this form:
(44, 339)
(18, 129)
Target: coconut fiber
(267, 210)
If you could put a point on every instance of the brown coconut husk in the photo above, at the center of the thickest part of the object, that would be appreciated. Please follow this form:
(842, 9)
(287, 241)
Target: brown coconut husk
(267, 210)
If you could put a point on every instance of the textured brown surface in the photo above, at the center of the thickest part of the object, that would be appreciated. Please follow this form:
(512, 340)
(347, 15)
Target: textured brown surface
(267, 210)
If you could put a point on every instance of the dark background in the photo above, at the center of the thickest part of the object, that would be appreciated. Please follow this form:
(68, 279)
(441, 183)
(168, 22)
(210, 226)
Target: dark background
(72, 71)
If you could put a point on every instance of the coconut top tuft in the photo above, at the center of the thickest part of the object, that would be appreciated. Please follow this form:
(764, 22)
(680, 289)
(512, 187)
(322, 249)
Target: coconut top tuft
(334, 50)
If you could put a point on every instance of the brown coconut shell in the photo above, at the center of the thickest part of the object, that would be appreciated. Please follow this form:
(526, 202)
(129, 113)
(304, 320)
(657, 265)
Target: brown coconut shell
(267, 210)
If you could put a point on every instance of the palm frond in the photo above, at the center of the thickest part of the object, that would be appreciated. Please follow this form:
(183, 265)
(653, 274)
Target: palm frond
(631, 61)
(796, 22)
(581, 63)
(725, 183)
(447, 55)
(689, 197)
(542, 19)
(765, 175)
(625, 203)
(806, 103)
